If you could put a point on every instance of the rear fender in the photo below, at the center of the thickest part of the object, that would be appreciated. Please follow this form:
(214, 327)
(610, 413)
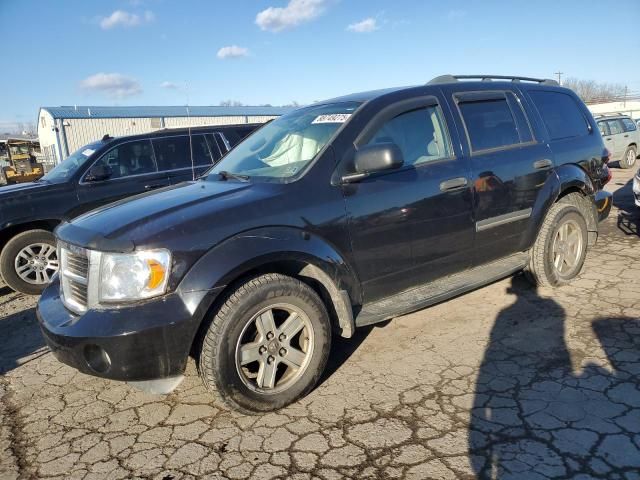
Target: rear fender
(566, 178)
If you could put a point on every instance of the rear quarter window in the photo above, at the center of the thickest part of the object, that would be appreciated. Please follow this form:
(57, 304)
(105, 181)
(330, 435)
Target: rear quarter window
(561, 114)
(629, 125)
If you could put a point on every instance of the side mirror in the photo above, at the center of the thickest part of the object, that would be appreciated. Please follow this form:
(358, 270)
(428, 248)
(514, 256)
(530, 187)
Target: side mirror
(375, 158)
(98, 173)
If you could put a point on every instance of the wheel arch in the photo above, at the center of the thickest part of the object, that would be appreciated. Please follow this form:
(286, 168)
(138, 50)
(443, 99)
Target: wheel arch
(566, 180)
(10, 231)
(284, 250)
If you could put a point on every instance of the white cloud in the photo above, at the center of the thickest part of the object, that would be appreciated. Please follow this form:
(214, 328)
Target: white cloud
(276, 19)
(122, 18)
(170, 85)
(232, 51)
(365, 26)
(112, 84)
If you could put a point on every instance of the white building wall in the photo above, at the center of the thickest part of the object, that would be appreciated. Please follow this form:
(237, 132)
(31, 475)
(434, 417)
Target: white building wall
(80, 131)
(47, 137)
(627, 108)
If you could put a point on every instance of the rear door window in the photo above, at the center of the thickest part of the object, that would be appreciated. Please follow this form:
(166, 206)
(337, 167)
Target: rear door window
(490, 122)
(615, 126)
(561, 114)
(173, 153)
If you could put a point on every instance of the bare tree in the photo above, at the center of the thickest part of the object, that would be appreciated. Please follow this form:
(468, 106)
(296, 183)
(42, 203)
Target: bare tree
(591, 91)
(231, 103)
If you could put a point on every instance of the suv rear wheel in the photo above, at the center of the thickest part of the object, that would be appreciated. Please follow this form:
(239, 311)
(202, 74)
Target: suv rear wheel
(28, 261)
(560, 249)
(267, 345)
(629, 157)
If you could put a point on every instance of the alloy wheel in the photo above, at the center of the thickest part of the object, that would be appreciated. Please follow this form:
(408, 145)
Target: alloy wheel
(37, 263)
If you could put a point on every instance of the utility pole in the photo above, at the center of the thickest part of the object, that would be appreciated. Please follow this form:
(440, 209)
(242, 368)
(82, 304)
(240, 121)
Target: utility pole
(559, 74)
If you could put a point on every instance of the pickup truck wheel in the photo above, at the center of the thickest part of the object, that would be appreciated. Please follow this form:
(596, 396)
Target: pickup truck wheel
(629, 158)
(267, 345)
(28, 261)
(560, 249)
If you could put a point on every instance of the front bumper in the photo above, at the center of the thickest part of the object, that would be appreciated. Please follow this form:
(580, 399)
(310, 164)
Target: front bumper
(146, 341)
(603, 201)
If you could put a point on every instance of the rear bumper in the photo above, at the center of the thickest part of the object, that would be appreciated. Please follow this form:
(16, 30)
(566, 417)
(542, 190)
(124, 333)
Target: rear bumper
(147, 341)
(603, 201)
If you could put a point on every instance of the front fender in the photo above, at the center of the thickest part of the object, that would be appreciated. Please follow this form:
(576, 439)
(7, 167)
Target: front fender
(568, 177)
(249, 250)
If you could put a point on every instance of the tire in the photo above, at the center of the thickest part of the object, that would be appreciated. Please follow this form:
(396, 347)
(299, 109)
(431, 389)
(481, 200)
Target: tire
(34, 278)
(242, 321)
(629, 158)
(542, 269)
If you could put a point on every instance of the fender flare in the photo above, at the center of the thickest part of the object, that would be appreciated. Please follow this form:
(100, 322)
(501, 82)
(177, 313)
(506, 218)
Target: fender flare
(565, 177)
(227, 261)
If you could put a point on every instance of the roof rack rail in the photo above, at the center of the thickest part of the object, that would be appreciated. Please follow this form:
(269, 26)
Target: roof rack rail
(488, 78)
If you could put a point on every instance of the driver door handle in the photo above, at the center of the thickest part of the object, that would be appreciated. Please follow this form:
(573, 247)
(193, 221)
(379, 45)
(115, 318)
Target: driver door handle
(540, 164)
(453, 184)
(153, 186)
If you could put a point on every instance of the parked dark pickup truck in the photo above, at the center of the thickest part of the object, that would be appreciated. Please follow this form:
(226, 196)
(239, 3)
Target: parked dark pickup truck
(337, 215)
(98, 173)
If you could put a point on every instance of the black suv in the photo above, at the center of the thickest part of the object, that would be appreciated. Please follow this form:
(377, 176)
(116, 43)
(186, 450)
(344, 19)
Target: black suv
(98, 173)
(337, 215)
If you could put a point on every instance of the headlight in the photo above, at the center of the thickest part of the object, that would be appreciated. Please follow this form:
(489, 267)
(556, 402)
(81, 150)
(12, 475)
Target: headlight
(133, 276)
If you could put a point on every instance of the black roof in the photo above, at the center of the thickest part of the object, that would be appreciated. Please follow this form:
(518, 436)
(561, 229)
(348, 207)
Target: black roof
(185, 130)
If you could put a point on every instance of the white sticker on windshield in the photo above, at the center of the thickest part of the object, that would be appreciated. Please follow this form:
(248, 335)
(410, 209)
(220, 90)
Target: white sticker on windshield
(87, 152)
(332, 118)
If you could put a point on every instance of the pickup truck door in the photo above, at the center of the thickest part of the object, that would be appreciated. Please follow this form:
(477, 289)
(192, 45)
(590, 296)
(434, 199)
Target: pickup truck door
(508, 165)
(414, 224)
(134, 171)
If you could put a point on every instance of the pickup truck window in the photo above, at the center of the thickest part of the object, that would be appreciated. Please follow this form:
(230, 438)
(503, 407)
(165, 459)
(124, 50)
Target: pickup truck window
(490, 123)
(70, 165)
(285, 146)
(173, 153)
(561, 114)
(420, 134)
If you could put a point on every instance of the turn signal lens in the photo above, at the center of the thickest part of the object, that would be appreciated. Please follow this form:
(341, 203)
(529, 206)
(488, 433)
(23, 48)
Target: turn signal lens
(156, 274)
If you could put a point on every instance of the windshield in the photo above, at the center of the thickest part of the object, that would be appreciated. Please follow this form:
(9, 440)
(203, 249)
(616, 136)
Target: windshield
(70, 165)
(284, 147)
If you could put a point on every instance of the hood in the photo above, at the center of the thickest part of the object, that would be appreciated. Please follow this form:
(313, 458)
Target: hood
(192, 214)
(23, 188)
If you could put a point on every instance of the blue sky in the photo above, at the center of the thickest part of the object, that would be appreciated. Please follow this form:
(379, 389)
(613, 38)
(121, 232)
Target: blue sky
(144, 52)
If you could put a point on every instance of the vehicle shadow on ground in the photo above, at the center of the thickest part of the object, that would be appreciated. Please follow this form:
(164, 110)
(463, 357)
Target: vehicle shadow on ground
(343, 348)
(628, 220)
(533, 416)
(21, 340)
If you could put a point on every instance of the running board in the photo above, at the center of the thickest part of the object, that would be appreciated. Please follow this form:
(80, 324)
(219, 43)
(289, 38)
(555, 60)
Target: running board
(440, 290)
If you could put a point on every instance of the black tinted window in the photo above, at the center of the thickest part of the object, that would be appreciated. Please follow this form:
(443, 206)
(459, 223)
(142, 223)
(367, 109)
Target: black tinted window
(561, 114)
(175, 152)
(628, 124)
(490, 123)
(130, 158)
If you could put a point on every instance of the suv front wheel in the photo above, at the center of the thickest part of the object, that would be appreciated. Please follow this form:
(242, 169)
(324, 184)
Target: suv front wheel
(267, 345)
(560, 249)
(28, 261)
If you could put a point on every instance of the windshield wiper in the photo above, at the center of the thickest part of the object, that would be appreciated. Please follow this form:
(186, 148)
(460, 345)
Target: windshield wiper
(236, 176)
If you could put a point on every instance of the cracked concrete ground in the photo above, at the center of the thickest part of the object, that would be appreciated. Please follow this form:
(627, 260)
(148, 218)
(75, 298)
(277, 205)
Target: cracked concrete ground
(504, 382)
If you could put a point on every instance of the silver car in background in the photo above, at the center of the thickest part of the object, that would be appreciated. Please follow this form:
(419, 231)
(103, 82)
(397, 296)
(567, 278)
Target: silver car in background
(621, 136)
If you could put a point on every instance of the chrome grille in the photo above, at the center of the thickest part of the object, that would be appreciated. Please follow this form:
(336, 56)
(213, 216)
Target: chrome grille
(74, 277)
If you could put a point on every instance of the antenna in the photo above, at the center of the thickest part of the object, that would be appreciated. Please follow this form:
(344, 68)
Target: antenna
(193, 167)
